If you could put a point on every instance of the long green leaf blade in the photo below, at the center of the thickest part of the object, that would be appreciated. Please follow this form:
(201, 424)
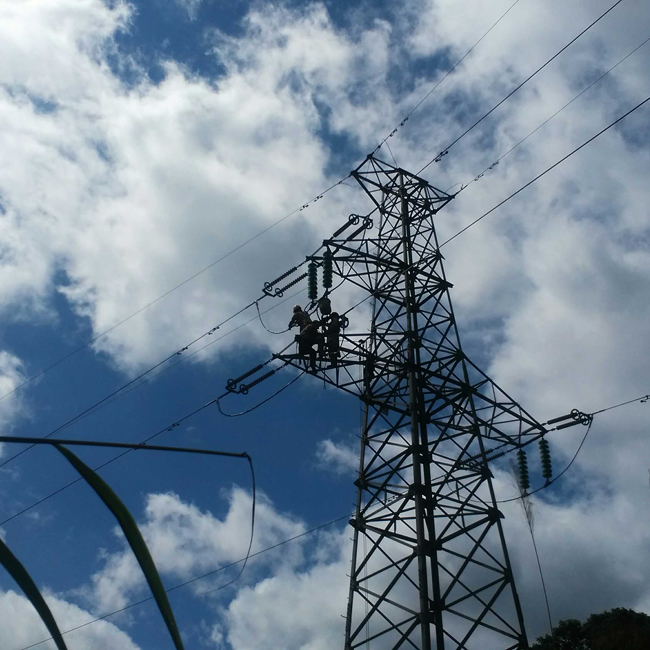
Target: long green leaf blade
(133, 537)
(18, 572)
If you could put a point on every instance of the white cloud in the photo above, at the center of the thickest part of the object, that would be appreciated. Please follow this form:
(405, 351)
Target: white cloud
(12, 406)
(304, 581)
(129, 190)
(301, 610)
(340, 458)
(298, 592)
(21, 626)
(586, 566)
(186, 541)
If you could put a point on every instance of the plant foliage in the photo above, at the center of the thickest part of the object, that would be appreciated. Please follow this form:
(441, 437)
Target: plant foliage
(616, 629)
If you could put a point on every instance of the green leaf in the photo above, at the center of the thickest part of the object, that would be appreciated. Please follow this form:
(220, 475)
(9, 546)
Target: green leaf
(17, 571)
(133, 537)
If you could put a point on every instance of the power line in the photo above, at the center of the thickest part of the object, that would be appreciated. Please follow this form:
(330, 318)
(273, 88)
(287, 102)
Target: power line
(185, 358)
(457, 234)
(61, 444)
(119, 390)
(444, 152)
(268, 399)
(541, 575)
(86, 411)
(546, 121)
(274, 224)
(53, 442)
(259, 234)
(94, 407)
(304, 206)
(169, 427)
(529, 515)
(642, 400)
(122, 394)
(553, 166)
(182, 360)
(424, 99)
(549, 483)
(312, 530)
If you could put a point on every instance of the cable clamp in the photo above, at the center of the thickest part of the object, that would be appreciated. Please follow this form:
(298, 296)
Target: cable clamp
(576, 417)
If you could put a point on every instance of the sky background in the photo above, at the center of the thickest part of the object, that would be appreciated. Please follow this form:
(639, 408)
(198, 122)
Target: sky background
(140, 142)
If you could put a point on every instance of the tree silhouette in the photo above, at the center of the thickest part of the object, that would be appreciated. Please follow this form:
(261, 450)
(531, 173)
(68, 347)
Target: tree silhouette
(616, 629)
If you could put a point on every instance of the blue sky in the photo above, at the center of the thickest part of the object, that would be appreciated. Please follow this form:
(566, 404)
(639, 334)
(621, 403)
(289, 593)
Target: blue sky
(140, 142)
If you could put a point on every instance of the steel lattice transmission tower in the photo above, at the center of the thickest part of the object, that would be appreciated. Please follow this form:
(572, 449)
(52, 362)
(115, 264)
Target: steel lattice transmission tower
(430, 567)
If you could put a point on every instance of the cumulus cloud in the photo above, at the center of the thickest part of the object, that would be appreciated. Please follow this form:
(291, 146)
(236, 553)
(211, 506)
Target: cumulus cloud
(298, 593)
(340, 458)
(122, 190)
(21, 626)
(186, 541)
(301, 609)
(295, 593)
(586, 566)
(125, 189)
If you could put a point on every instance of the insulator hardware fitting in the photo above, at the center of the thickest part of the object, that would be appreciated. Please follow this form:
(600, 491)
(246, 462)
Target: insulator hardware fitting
(312, 281)
(522, 462)
(577, 417)
(244, 388)
(280, 292)
(327, 269)
(545, 456)
(232, 383)
(268, 285)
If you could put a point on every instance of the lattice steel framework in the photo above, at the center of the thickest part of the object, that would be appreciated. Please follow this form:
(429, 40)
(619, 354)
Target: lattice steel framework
(430, 567)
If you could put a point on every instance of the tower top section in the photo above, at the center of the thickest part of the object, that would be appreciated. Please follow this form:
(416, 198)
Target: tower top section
(386, 184)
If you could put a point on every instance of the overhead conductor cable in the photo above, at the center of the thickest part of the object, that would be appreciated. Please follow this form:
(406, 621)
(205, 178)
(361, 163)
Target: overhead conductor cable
(445, 151)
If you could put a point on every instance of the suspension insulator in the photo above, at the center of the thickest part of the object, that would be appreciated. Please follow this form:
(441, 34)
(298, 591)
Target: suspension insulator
(312, 281)
(279, 292)
(522, 462)
(327, 269)
(232, 383)
(545, 456)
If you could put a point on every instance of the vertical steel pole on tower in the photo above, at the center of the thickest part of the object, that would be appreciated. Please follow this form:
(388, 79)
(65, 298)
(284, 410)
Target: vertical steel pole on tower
(419, 447)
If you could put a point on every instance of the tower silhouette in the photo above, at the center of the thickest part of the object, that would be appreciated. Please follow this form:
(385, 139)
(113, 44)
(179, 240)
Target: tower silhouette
(430, 568)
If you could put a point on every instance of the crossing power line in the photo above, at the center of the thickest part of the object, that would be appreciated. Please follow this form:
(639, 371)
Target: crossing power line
(547, 120)
(356, 305)
(327, 524)
(231, 252)
(259, 234)
(133, 382)
(546, 171)
(514, 194)
(435, 87)
(445, 151)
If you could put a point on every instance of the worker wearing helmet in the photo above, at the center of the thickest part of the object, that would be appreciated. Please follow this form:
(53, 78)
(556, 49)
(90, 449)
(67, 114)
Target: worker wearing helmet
(309, 334)
(325, 306)
(299, 318)
(332, 327)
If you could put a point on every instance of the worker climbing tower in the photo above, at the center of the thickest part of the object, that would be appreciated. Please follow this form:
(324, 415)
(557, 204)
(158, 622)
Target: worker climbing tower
(430, 567)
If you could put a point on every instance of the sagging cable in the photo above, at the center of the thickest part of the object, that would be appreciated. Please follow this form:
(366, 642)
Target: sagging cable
(259, 315)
